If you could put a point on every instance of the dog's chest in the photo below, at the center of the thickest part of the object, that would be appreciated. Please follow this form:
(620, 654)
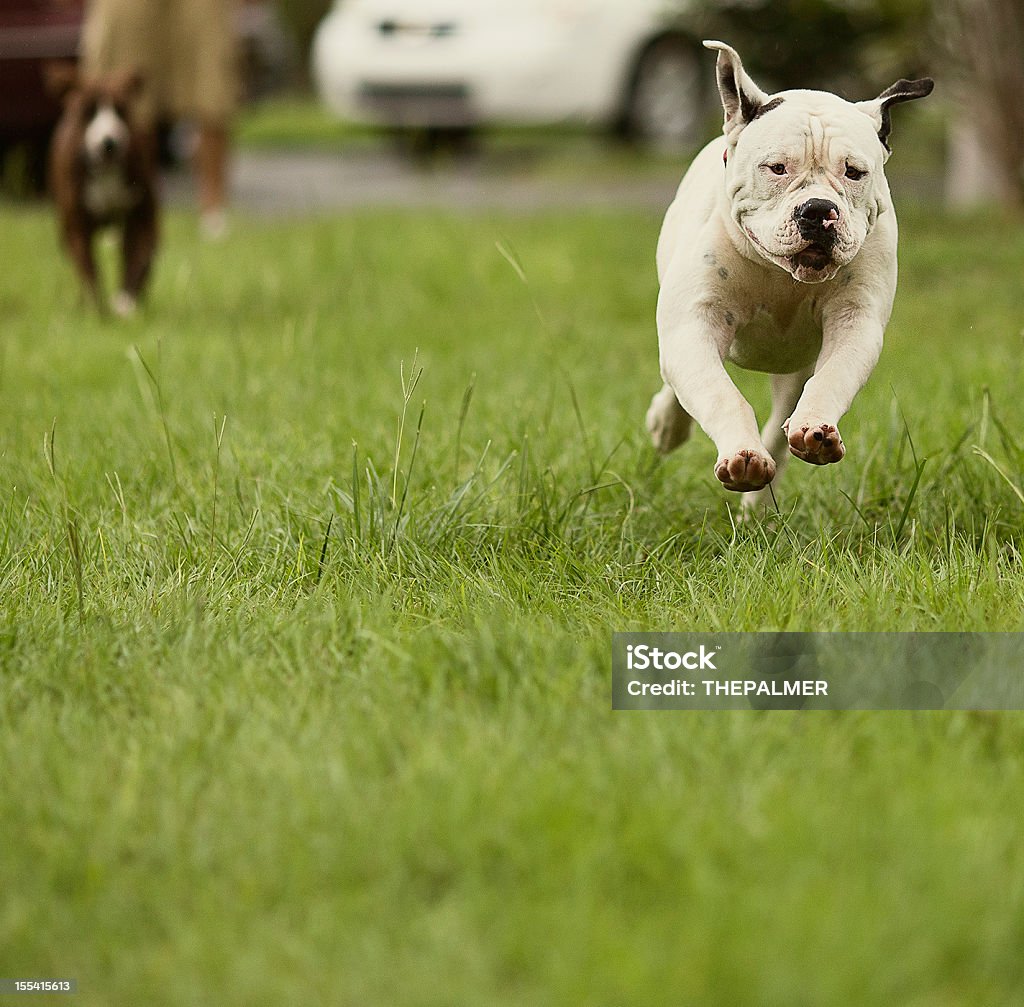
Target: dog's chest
(777, 341)
(107, 194)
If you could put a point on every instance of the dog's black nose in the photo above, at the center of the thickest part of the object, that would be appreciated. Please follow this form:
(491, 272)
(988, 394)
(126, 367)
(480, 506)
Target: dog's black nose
(109, 145)
(816, 217)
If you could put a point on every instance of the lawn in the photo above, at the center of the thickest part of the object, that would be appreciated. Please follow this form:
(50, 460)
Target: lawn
(308, 577)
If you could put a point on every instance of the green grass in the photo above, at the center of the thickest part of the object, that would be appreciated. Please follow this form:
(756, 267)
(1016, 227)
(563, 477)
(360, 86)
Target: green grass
(305, 688)
(294, 121)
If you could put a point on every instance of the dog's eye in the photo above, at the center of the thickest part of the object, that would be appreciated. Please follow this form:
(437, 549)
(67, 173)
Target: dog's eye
(854, 174)
(777, 169)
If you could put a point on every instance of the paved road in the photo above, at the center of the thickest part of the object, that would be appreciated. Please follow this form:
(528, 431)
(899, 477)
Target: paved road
(283, 183)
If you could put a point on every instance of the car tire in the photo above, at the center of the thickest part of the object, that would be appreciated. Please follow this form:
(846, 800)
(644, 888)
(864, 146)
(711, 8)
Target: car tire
(666, 107)
(423, 145)
(23, 166)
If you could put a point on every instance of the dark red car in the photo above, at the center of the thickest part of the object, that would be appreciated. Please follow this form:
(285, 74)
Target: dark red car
(34, 33)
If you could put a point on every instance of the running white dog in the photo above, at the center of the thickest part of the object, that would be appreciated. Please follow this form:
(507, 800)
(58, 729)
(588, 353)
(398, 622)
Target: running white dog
(783, 260)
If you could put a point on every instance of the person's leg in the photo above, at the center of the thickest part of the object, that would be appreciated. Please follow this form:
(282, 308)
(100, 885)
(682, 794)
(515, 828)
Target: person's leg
(211, 169)
(206, 92)
(117, 37)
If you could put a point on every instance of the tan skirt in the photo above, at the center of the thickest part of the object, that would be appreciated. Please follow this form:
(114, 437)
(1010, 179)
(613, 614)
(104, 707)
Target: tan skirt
(186, 51)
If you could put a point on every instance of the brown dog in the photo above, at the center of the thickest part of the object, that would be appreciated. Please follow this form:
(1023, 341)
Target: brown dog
(102, 175)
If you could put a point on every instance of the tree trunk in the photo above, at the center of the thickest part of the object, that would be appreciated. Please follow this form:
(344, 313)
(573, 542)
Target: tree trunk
(986, 40)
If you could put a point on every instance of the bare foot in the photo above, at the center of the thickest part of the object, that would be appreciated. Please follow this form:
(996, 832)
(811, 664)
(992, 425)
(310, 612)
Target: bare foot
(746, 470)
(123, 304)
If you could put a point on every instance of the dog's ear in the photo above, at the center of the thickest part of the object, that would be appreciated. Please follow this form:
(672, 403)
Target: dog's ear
(128, 83)
(742, 99)
(60, 77)
(902, 90)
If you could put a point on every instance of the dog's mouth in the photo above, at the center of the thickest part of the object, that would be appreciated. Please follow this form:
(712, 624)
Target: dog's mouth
(814, 263)
(814, 256)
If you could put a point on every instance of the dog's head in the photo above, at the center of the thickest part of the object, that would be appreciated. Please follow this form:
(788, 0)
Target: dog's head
(805, 169)
(98, 110)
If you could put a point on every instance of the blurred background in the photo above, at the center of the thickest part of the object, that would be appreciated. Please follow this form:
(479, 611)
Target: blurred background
(529, 102)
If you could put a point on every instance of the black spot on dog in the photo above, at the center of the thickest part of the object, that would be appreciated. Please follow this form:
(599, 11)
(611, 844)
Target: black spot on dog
(766, 108)
(730, 318)
(902, 90)
(723, 273)
(711, 259)
(749, 108)
(727, 82)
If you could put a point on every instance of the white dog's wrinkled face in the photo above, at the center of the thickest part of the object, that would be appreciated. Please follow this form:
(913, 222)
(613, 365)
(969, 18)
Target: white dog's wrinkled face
(804, 169)
(805, 182)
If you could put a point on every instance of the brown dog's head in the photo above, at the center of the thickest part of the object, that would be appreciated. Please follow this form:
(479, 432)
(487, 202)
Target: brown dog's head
(98, 109)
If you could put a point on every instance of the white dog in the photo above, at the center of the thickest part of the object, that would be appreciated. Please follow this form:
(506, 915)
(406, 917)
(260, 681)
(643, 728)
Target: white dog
(783, 260)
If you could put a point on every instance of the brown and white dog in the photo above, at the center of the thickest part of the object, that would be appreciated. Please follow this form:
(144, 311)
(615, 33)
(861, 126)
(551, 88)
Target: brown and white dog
(102, 175)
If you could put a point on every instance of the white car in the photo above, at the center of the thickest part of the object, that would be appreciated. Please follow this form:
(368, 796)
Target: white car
(455, 64)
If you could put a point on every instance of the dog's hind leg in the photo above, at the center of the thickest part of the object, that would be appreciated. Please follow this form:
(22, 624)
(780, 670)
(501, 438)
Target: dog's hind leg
(786, 389)
(667, 422)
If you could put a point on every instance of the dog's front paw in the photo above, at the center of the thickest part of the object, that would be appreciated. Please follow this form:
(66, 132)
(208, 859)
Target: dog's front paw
(746, 470)
(819, 444)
